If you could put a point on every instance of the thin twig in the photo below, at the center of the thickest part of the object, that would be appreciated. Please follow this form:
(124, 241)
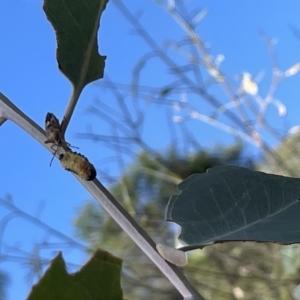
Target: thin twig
(171, 64)
(16, 212)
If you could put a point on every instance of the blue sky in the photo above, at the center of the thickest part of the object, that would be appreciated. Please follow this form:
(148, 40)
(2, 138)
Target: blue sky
(29, 77)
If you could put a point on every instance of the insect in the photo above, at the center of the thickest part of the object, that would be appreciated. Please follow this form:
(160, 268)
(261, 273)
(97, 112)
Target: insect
(78, 164)
(52, 127)
(53, 134)
(71, 161)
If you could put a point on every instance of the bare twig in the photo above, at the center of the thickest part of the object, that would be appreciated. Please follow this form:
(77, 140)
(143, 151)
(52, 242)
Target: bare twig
(239, 121)
(16, 212)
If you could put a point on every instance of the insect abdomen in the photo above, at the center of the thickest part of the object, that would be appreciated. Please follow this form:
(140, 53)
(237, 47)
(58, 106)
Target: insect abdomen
(78, 164)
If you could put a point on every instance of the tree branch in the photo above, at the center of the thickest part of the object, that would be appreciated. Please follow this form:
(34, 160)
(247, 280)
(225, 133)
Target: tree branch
(9, 111)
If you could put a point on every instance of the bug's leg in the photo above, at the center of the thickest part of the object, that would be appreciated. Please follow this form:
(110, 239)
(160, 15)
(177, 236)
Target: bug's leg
(54, 153)
(70, 146)
(48, 141)
(52, 159)
(74, 147)
(66, 146)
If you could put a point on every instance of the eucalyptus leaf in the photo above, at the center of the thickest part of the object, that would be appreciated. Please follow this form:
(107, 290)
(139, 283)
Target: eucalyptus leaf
(99, 278)
(76, 25)
(229, 203)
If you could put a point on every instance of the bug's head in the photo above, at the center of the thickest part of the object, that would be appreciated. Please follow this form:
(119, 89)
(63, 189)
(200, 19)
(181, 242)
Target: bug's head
(48, 117)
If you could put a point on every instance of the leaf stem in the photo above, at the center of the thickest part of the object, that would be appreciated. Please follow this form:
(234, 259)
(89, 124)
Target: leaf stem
(82, 79)
(70, 109)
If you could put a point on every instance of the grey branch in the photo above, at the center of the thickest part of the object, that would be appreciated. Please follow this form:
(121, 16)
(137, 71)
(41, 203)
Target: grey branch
(8, 111)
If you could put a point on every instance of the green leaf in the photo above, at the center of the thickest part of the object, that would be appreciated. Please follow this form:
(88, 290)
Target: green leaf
(236, 204)
(76, 24)
(98, 279)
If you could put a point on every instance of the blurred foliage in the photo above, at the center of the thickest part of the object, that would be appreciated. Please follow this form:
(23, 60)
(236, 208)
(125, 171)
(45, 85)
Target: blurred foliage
(99, 278)
(224, 271)
(287, 154)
